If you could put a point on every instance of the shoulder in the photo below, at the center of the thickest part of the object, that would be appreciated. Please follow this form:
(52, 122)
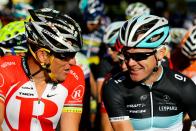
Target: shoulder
(10, 68)
(75, 77)
(116, 80)
(176, 78)
(9, 61)
(76, 72)
(10, 64)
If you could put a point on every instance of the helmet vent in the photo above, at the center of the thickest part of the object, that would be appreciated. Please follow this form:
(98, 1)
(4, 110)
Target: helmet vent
(48, 29)
(55, 42)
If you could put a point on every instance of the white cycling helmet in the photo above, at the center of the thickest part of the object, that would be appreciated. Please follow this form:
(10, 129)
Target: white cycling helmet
(111, 33)
(150, 26)
(189, 44)
(136, 9)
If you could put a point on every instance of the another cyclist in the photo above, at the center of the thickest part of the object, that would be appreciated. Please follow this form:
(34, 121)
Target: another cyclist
(148, 96)
(13, 39)
(109, 64)
(136, 9)
(37, 90)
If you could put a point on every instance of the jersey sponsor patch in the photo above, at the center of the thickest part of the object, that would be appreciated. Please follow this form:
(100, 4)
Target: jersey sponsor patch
(5, 64)
(74, 74)
(179, 77)
(78, 92)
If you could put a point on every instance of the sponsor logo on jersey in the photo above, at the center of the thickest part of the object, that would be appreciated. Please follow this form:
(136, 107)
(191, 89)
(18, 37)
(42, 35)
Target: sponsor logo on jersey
(168, 108)
(136, 105)
(166, 98)
(78, 92)
(28, 88)
(74, 74)
(26, 94)
(120, 79)
(143, 97)
(5, 64)
(137, 111)
(51, 95)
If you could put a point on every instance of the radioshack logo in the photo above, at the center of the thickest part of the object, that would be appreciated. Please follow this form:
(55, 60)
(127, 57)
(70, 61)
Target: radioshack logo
(78, 92)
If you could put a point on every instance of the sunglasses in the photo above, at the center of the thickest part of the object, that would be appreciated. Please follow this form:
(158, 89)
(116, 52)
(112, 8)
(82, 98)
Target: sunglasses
(65, 56)
(138, 56)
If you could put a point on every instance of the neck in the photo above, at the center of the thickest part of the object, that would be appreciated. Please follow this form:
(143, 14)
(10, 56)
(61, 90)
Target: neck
(35, 67)
(154, 76)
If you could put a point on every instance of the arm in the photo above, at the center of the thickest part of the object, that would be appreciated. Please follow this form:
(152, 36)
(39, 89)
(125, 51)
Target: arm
(115, 107)
(122, 126)
(70, 121)
(105, 123)
(189, 97)
(2, 109)
(93, 85)
(99, 88)
(72, 110)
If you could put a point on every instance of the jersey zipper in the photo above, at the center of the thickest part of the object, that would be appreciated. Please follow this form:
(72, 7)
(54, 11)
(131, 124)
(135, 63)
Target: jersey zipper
(151, 105)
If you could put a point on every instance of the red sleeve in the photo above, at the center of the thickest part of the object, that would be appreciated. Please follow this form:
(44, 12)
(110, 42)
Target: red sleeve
(6, 77)
(75, 83)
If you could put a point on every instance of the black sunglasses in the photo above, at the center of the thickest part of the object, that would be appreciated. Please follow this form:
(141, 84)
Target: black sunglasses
(138, 56)
(65, 56)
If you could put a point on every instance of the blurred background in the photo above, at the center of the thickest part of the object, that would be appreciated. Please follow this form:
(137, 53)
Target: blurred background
(177, 11)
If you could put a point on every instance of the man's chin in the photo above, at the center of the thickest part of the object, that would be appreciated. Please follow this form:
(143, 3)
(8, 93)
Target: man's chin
(61, 79)
(135, 78)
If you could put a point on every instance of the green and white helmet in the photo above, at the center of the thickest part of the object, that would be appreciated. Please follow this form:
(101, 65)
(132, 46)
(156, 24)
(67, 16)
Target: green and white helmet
(13, 38)
(136, 9)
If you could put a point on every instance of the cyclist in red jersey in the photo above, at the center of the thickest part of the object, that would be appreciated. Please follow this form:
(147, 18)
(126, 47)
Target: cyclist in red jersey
(46, 85)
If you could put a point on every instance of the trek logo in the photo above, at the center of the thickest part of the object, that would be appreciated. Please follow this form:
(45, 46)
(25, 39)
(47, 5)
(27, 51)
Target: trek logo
(78, 92)
(50, 95)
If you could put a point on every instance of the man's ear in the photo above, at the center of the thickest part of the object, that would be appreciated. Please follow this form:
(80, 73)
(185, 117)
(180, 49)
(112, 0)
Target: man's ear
(42, 56)
(161, 53)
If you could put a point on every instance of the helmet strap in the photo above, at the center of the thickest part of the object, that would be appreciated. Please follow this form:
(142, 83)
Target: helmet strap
(155, 69)
(51, 75)
(45, 67)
